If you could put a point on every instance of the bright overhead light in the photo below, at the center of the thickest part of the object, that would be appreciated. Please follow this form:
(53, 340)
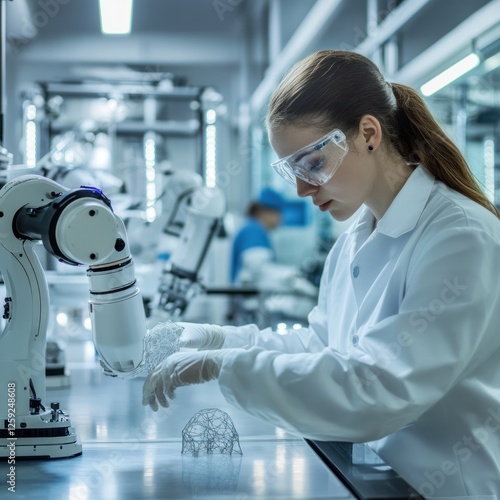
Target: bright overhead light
(116, 16)
(492, 62)
(449, 75)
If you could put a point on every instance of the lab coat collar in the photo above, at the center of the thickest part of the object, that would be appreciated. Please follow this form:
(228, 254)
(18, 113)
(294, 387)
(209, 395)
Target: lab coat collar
(405, 210)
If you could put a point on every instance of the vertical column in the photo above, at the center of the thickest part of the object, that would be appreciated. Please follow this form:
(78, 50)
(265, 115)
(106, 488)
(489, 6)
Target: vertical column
(274, 30)
(372, 14)
(460, 118)
(489, 167)
(2, 67)
(391, 57)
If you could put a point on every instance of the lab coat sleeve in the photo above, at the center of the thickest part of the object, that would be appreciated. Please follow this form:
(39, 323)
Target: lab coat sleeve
(314, 338)
(447, 324)
(292, 341)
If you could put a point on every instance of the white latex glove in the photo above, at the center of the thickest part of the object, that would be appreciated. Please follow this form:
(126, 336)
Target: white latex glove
(201, 336)
(179, 369)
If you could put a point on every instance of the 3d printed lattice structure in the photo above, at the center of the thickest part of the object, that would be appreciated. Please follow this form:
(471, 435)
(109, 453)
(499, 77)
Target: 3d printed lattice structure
(212, 475)
(210, 431)
(159, 343)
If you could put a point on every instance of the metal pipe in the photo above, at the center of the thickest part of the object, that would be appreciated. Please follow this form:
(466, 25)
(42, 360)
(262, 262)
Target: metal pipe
(456, 41)
(390, 25)
(274, 30)
(391, 57)
(371, 17)
(316, 21)
(372, 14)
(311, 28)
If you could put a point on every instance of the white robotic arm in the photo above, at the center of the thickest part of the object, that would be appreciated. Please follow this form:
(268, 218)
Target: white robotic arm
(178, 188)
(179, 282)
(79, 227)
(190, 217)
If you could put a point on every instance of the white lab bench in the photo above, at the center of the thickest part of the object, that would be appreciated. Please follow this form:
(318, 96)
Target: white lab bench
(130, 452)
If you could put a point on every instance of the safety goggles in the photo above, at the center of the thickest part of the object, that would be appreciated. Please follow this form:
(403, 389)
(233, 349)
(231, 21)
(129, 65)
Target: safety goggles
(315, 163)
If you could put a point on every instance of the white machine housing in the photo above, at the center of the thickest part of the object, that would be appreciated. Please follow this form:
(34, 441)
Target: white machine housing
(190, 217)
(180, 278)
(79, 227)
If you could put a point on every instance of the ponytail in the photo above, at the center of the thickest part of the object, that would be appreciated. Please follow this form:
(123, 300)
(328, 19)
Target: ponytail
(420, 139)
(335, 88)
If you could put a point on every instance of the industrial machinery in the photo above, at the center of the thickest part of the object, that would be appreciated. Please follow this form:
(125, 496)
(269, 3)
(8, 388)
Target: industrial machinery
(180, 282)
(190, 218)
(79, 227)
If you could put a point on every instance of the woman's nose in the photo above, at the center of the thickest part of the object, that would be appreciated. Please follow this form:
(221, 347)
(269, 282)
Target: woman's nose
(304, 188)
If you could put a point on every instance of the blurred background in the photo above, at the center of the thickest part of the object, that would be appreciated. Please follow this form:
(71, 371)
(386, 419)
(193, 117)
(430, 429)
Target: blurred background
(161, 104)
(183, 87)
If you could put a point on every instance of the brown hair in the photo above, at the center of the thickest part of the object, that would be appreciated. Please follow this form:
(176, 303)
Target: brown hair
(254, 209)
(334, 88)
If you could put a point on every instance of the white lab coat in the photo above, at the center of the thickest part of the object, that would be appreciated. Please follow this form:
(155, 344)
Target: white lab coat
(402, 350)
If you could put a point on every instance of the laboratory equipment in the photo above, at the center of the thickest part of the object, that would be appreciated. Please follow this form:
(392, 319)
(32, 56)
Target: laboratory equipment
(191, 216)
(160, 342)
(210, 431)
(79, 227)
(180, 280)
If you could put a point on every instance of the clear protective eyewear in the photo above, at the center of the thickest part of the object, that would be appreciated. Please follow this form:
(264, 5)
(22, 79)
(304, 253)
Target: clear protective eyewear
(315, 163)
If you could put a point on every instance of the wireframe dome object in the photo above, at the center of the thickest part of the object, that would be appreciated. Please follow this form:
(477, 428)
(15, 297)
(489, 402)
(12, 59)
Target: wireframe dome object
(212, 475)
(210, 431)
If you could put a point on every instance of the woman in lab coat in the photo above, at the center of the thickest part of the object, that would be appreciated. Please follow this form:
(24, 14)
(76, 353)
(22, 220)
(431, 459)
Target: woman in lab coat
(403, 348)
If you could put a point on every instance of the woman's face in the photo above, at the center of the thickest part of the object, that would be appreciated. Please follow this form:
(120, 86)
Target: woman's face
(349, 187)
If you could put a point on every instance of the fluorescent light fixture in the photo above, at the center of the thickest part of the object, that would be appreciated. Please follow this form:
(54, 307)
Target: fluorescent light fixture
(492, 62)
(116, 16)
(449, 75)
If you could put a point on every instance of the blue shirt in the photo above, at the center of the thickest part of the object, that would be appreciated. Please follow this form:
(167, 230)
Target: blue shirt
(252, 234)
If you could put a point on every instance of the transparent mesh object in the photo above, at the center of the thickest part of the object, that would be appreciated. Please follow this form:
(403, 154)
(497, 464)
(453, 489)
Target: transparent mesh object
(159, 343)
(210, 431)
(210, 474)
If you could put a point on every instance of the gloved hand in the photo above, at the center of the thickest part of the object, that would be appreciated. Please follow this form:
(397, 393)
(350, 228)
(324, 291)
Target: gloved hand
(201, 336)
(179, 369)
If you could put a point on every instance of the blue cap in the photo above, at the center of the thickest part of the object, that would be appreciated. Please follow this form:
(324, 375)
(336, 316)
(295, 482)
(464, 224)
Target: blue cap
(271, 199)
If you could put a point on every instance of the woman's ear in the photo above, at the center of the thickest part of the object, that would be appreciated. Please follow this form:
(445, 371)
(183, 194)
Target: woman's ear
(370, 132)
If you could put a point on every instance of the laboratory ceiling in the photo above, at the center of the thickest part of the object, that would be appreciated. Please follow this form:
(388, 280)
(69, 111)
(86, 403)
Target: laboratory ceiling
(242, 48)
(219, 29)
(252, 38)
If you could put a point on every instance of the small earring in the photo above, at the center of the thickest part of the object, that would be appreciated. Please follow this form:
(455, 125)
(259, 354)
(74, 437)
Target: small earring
(370, 148)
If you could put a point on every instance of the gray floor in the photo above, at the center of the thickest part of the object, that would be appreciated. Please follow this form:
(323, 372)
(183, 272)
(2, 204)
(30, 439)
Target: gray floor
(130, 452)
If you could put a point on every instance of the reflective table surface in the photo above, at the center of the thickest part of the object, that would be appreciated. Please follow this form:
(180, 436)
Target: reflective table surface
(131, 452)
